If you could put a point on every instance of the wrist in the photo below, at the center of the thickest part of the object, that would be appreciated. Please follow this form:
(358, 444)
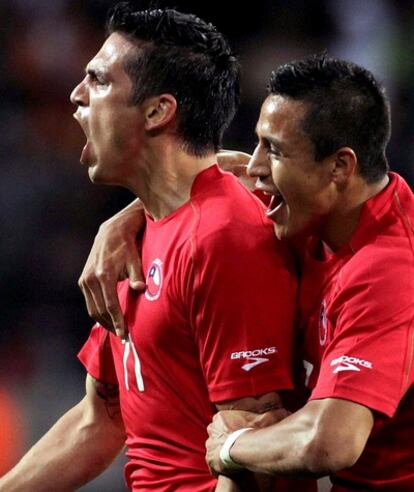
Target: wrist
(225, 457)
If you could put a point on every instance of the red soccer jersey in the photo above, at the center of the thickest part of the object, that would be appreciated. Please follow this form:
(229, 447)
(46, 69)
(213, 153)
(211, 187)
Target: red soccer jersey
(214, 324)
(357, 311)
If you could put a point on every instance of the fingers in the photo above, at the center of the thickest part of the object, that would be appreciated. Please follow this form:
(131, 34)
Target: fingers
(92, 304)
(113, 308)
(113, 257)
(212, 456)
(134, 273)
(100, 292)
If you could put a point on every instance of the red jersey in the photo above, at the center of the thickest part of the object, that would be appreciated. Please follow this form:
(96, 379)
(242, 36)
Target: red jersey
(214, 324)
(357, 312)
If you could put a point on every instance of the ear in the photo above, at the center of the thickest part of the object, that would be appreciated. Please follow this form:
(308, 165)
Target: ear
(159, 111)
(345, 164)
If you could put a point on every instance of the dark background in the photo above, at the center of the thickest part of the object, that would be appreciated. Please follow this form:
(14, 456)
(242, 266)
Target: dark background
(49, 211)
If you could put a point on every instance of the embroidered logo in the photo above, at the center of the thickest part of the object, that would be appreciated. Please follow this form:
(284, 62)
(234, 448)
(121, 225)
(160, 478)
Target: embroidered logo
(253, 357)
(346, 363)
(154, 280)
(323, 324)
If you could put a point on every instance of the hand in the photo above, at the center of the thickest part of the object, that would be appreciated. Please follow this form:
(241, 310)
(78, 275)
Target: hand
(236, 163)
(228, 421)
(114, 256)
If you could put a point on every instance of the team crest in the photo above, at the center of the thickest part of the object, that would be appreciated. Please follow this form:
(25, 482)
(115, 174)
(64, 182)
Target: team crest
(154, 280)
(323, 324)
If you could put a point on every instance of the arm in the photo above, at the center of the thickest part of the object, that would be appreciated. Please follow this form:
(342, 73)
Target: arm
(325, 436)
(255, 412)
(114, 254)
(76, 449)
(236, 163)
(113, 257)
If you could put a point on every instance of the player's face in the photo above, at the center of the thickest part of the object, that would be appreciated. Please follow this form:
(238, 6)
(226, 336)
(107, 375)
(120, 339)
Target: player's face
(283, 161)
(112, 124)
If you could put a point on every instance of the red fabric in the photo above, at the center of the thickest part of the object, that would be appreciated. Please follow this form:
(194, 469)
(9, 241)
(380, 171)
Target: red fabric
(357, 307)
(218, 298)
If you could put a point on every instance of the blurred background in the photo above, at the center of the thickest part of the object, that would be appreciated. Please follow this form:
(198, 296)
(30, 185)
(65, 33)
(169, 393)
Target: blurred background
(50, 212)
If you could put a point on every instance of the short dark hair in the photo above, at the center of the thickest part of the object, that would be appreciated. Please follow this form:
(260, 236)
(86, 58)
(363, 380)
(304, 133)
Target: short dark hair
(182, 55)
(347, 107)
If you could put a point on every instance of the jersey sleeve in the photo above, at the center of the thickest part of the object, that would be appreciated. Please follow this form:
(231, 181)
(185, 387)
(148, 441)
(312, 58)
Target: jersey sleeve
(242, 307)
(369, 360)
(96, 356)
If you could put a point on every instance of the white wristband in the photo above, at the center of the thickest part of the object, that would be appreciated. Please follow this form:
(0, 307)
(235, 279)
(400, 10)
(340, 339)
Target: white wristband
(225, 457)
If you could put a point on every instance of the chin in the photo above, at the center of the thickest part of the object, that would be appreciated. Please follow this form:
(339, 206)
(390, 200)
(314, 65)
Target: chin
(286, 232)
(95, 176)
(280, 231)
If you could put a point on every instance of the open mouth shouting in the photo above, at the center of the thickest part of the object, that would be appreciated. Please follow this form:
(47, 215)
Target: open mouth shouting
(86, 148)
(276, 210)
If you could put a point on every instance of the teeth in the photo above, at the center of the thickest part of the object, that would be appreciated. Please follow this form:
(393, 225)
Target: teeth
(276, 201)
(271, 193)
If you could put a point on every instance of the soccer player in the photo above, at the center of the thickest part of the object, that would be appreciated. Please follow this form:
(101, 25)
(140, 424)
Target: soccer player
(323, 132)
(154, 103)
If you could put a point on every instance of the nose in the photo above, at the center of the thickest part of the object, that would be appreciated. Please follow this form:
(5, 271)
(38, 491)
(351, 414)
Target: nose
(258, 166)
(79, 95)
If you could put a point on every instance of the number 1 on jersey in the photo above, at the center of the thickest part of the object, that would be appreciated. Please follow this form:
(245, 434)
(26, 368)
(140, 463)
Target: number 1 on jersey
(128, 348)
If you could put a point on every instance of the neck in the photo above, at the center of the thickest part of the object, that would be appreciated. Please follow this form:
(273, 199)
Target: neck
(343, 220)
(165, 177)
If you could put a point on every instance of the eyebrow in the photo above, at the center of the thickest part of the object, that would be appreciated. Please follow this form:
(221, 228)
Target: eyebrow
(94, 71)
(275, 142)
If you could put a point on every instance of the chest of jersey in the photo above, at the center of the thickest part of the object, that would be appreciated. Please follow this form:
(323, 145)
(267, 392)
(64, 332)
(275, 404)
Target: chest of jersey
(317, 313)
(158, 367)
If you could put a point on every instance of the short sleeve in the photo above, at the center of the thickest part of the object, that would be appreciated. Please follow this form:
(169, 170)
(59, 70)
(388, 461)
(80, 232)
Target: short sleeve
(96, 356)
(243, 308)
(369, 360)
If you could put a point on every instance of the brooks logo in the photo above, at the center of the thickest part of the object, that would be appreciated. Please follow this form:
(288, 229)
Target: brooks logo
(253, 357)
(346, 363)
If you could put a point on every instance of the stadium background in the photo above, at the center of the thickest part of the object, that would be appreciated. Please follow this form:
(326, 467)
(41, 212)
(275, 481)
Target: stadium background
(49, 211)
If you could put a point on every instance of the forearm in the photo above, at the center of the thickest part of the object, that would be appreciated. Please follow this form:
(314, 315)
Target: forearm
(131, 216)
(280, 449)
(323, 437)
(259, 412)
(73, 452)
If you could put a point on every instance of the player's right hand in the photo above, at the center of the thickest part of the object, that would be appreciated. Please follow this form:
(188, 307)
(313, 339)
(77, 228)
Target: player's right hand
(113, 257)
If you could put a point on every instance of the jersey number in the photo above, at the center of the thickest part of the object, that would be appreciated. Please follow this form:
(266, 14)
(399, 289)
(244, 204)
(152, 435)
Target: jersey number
(128, 348)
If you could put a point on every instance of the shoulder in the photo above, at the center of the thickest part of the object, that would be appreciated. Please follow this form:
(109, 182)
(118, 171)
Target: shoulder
(386, 259)
(378, 282)
(230, 212)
